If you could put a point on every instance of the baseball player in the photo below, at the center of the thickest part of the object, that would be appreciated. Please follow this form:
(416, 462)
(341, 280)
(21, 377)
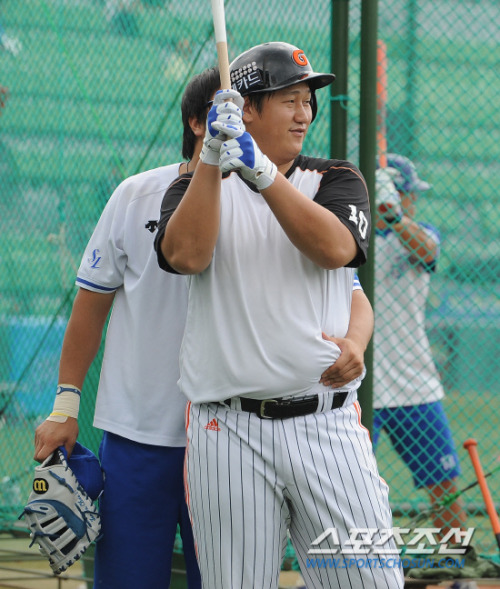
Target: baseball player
(139, 405)
(270, 239)
(408, 390)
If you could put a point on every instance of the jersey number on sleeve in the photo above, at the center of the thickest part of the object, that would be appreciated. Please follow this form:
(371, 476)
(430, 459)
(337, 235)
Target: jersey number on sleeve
(359, 219)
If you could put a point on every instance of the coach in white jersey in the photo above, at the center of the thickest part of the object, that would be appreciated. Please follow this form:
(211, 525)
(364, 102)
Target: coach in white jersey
(139, 405)
(408, 390)
(270, 246)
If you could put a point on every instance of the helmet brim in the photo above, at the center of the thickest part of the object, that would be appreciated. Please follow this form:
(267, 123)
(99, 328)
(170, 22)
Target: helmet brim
(316, 81)
(421, 186)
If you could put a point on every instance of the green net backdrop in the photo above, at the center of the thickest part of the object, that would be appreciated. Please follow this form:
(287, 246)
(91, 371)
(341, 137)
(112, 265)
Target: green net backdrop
(94, 89)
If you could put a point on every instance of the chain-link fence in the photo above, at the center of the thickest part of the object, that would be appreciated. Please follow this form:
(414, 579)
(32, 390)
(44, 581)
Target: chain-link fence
(443, 112)
(93, 96)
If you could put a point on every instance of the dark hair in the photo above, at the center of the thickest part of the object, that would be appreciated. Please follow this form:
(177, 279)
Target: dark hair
(256, 99)
(198, 93)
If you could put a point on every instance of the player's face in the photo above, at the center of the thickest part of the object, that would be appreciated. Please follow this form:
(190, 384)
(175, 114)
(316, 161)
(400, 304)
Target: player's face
(281, 126)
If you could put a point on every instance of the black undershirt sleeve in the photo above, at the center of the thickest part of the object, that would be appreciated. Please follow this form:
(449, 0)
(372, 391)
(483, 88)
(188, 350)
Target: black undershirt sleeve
(171, 200)
(343, 191)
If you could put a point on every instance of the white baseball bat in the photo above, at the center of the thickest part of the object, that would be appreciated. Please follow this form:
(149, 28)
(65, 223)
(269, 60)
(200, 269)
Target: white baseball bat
(221, 42)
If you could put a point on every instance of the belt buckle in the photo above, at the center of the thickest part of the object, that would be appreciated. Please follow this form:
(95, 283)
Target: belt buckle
(263, 404)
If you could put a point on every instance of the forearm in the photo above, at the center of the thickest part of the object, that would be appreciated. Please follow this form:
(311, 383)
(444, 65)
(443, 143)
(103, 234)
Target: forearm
(313, 229)
(362, 322)
(80, 346)
(415, 239)
(192, 231)
(76, 358)
(83, 336)
(350, 364)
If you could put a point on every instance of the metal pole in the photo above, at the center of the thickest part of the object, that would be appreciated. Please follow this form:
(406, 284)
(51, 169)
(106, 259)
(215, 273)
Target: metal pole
(339, 61)
(367, 157)
(411, 73)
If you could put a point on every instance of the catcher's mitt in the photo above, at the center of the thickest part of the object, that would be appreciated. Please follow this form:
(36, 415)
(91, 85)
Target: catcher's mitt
(61, 516)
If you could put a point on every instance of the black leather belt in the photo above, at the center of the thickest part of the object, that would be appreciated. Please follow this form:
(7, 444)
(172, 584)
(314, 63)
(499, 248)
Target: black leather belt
(284, 408)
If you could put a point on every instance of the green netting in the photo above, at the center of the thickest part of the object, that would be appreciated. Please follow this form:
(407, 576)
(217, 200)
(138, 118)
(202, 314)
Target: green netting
(94, 90)
(442, 112)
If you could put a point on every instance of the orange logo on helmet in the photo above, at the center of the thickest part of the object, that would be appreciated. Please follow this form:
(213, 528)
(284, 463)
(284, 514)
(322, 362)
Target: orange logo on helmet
(299, 57)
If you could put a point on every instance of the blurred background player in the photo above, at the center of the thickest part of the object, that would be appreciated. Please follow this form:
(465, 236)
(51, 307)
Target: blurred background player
(407, 386)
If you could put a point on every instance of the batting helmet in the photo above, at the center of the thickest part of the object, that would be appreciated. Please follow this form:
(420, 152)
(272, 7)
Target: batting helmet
(407, 179)
(273, 66)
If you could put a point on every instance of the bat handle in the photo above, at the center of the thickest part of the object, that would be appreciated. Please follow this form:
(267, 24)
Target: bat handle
(471, 446)
(223, 59)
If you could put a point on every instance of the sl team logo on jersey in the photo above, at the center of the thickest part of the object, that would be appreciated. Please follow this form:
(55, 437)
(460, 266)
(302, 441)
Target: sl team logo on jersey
(40, 486)
(94, 259)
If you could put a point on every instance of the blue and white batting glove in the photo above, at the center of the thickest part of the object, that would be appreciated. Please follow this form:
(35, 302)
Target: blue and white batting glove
(224, 122)
(242, 153)
(387, 199)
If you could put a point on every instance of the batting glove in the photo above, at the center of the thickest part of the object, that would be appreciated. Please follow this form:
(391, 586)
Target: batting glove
(387, 199)
(224, 122)
(242, 153)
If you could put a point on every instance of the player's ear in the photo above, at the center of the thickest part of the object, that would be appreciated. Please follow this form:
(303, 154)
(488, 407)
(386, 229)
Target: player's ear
(249, 111)
(196, 126)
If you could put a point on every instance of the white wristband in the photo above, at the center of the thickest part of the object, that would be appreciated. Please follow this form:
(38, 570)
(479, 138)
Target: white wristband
(67, 403)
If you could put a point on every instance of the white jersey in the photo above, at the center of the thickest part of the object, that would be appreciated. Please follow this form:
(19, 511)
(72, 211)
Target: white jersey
(404, 370)
(256, 314)
(138, 397)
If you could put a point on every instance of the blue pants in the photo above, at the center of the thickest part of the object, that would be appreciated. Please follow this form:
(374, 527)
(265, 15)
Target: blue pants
(142, 503)
(421, 435)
